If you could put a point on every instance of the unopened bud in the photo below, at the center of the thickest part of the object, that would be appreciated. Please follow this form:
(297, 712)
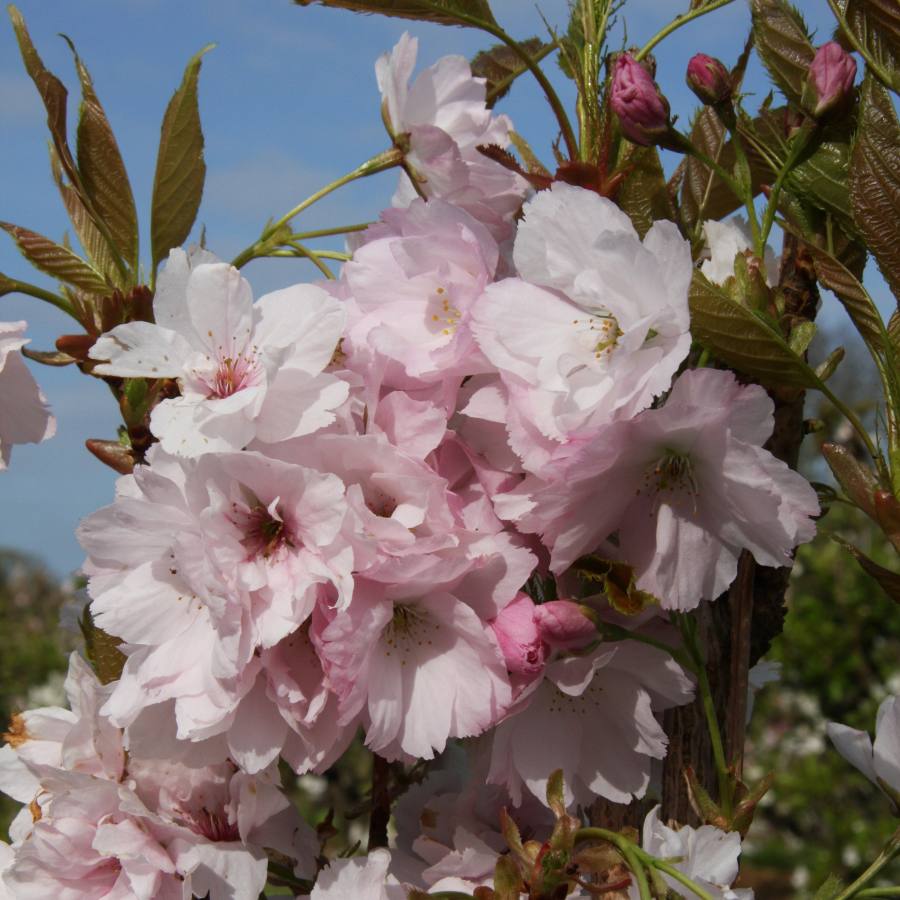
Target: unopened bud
(517, 633)
(642, 110)
(709, 79)
(563, 625)
(830, 78)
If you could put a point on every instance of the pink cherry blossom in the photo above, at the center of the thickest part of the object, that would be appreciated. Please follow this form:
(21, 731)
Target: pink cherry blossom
(245, 370)
(597, 324)
(200, 563)
(443, 119)
(362, 878)
(642, 110)
(417, 662)
(687, 487)
(24, 416)
(521, 642)
(410, 288)
(593, 717)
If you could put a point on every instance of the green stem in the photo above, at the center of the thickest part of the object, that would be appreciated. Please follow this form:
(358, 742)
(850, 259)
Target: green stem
(565, 126)
(679, 876)
(797, 147)
(311, 256)
(379, 163)
(879, 892)
(631, 853)
(882, 73)
(743, 161)
(504, 83)
(677, 22)
(688, 628)
(617, 633)
(328, 232)
(687, 147)
(11, 286)
(883, 858)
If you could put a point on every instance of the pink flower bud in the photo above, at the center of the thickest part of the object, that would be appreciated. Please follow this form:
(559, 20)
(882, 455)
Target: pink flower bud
(709, 79)
(519, 638)
(830, 79)
(563, 625)
(642, 110)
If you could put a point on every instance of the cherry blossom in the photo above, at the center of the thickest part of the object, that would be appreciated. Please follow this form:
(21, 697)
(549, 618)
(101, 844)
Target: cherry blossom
(878, 761)
(686, 487)
(706, 855)
(441, 118)
(245, 370)
(597, 323)
(200, 563)
(24, 416)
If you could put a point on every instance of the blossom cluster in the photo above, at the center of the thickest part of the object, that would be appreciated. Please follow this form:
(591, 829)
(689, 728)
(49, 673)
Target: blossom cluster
(349, 495)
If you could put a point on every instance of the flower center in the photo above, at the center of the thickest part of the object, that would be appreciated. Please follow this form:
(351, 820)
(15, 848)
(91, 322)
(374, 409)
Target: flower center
(444, 317)
(408, 629)
(600, 334)
(233, 374)
(672, 473)
(265, 531)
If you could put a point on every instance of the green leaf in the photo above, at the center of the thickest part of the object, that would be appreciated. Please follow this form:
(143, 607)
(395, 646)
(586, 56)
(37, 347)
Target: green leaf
(822, 179)
(862, 310)
(180, 169)
(52, 90)
(783, 44)
(830, 889)
(876, 24)
(507, 879)
(56, 260)
(644, 194)
(875, 179)
(500, 66)
(103, 176)
(102, 649)
(745, 339)
(703, 194)
(90, 237)
(441, 12)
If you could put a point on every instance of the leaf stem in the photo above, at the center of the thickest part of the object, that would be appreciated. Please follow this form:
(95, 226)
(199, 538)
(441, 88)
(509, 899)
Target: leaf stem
(679, 876)
(328, 232)
(386, 160)
(880, 861)
(631, 852)
(565, 126)
(504, 83)
(12, 286)
(677, 22)
(798, 145)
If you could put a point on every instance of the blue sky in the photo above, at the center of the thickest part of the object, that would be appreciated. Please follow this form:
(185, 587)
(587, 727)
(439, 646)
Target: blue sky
(289, 102)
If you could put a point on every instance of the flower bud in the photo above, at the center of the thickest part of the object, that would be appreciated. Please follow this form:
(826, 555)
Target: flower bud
(520, 641)
(709, 79)
(563, 625)
(642, 110)
(830, 78)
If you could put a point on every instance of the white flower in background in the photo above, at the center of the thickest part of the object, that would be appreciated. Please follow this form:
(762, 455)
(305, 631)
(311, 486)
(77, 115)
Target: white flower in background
(706, 855)
(725, 240)
(879, 762)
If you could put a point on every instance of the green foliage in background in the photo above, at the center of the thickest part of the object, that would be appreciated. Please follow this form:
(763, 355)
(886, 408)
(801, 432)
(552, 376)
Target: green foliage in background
(839, 653)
